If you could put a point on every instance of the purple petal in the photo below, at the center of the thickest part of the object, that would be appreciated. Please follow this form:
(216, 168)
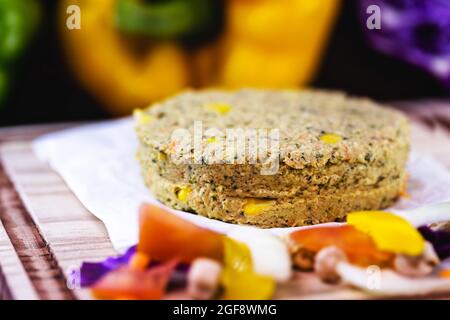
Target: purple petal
(417, 31)
(91, 272)
(439, 239)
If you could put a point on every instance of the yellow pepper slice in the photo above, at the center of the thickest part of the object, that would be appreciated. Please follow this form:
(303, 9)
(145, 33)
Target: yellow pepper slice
(390, 232)
(239, 279)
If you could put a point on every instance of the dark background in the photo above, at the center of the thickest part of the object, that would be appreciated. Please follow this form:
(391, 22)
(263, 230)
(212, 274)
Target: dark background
(45, 91)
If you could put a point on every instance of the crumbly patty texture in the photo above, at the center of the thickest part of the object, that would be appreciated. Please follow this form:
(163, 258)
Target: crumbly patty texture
(337, 154)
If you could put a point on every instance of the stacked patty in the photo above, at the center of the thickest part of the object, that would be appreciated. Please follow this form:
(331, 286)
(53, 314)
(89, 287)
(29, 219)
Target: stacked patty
(334, 154)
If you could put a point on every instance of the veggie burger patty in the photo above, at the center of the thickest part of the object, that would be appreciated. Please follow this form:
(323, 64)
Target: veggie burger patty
(273, 158)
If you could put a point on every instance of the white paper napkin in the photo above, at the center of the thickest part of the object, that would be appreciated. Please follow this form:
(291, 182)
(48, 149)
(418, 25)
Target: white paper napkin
(98, 164)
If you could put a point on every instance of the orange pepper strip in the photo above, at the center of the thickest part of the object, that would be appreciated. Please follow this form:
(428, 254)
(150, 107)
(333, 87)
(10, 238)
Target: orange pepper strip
(358, 246)
(125, 283)
(164, 236)
(139, 261)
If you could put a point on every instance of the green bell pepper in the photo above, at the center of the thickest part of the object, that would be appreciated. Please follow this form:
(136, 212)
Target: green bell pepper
(18, 20)
(3, 84)
(168, 19)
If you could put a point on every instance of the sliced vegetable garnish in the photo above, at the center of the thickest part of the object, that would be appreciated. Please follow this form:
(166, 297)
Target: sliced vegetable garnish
(91, 272)
(163, 236)
(440, 240)
(126, 283)
(239, 280)
(139, 261)
(359, 247)
(269, 254)
(389, 232)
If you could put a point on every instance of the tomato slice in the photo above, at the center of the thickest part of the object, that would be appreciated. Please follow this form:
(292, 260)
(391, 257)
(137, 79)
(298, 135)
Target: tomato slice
(130, 284)
(358, 246)
(164, 236)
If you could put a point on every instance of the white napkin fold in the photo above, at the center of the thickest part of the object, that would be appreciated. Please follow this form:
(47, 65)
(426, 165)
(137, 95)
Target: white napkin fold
(98, 164)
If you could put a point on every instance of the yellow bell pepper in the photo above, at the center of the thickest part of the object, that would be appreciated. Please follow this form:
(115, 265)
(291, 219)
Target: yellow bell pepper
(264, 43)
(121, 76)
(390, 233)
(269, 44)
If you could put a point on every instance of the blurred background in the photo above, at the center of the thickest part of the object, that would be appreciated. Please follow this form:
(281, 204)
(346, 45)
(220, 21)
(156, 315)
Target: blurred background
(129, 53)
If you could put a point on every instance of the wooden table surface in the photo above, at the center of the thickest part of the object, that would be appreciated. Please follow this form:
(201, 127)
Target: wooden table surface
(45, 232)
